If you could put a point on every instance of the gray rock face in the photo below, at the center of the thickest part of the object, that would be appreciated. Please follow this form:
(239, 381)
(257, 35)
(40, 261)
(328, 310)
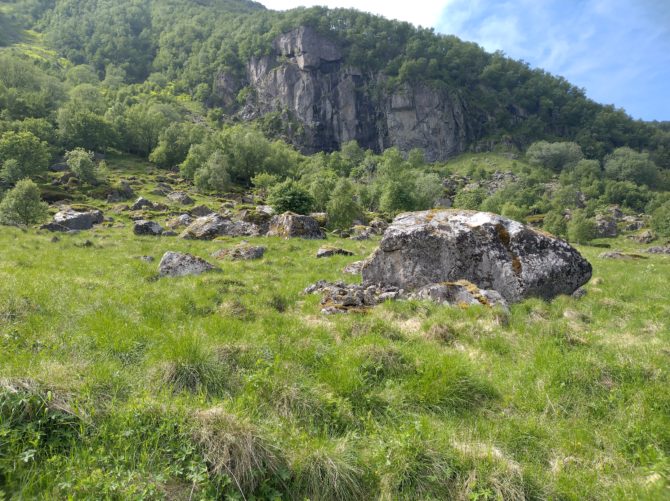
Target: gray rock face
(143, 227)
(176, 264)
(332, 103)
(75, 220)
(179, 221)
(493, 252)
(353, 268)
(646, 237)
(659, 250)
(460, 293)
(289, 225)
(215, 225)
(339, 297)
(200, 211)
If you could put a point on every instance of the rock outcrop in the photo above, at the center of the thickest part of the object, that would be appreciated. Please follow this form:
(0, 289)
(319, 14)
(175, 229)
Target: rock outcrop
(215, 225)
(326, 102)
(143, 227)
(492, 252)
(69, 219)
(290, 225)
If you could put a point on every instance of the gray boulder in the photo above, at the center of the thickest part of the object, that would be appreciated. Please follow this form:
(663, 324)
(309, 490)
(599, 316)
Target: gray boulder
(646, 237)
(327, 251)
(493, 252)
(179, 221)
(215, 225)
(75, 220)
(180, 197)
(176, 264)
(605, 227)
(143, 227)
(659, 250)
(200, 211)
(142, 203)
(242, 252)
(290, 225)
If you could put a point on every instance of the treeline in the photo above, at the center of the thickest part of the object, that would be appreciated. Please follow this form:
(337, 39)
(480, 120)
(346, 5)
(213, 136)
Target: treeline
(189, 43)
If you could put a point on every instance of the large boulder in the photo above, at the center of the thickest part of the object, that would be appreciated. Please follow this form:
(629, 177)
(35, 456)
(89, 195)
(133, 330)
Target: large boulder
(144, 227)
(176, 264)
(76, 220)
(492, 252)
(215, 225)
(290, 225)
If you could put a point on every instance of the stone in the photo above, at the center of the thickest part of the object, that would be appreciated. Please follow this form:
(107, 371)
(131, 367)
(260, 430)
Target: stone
(58, 167)
(658, 250)
(143, 227)
(460, 293)
(321, 218)
(361, 232)
(255, 216)
(215, 225)
(242, 252)
(147, 259)
(179, 221)
(180, 197)
(177, 264)
(353, 268)
(605, 227)
(646, 237)
(70, 219)
(290, 225)
(328, 251)
(339, 297)
(491, 251)
(142, 203)
(121, 192)
(200, 211)
(620, 255)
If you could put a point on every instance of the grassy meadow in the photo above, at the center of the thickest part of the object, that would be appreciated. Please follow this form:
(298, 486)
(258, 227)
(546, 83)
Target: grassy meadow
(117, 384)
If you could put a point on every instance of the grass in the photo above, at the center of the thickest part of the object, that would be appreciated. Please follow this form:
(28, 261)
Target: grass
(119, 385)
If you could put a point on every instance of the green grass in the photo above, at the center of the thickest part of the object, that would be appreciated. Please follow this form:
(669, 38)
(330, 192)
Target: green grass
(116, 384)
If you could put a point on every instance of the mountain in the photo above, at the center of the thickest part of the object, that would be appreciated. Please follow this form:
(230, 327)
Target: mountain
(335, 75)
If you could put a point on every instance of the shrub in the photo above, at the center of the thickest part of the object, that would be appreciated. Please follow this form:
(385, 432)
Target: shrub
(30, 154)
(264, 181)
(555, 223)
(81, 164)
(625, 164)
(22, 205)
(660, 220)
(290, 196)
(470, 199)
(342, 208)
(214, 175)
(555, 156)
(581, 229)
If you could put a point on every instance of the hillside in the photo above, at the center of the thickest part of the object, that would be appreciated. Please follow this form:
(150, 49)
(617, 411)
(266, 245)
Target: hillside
(208, 288)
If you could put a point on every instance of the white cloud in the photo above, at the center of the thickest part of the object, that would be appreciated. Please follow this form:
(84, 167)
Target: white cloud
(424, 13)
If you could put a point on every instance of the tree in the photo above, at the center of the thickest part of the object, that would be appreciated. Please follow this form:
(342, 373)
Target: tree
(214, 175)
(174, 143)
(427, 189)
(555, 223)
(581, 229)
(290, 196)
(396, 197)
(82, 165)
(342, 207)
(554, 156)
(469, 199)
(85, 129)
(626, 164)
(660, 220)
(30, 155)
(22, 205)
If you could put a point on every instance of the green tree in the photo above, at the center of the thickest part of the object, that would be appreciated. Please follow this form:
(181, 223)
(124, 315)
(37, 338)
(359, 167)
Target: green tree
(469, 199)
(427, 189)
(82, 165)
(290, 196)
(22, 205)
(31, 156)
(581, 229)
(85, 129)
(660, 220)
(214, 175)
(342, 207)
(555, 223)
(554, 156)
(626, 164)
(396, 197)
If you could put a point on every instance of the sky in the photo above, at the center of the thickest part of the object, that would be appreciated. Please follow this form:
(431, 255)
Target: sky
(617, 50)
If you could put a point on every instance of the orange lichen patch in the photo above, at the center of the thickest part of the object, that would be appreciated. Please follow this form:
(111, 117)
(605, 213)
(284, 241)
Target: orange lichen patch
(503, 235)
(516, 265)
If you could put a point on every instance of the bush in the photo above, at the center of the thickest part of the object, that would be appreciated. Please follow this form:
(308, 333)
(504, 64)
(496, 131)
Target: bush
(555, 223)
(22, 205)
(264, 181)
(81, 164)
(342, 208)
(471, 199)
(30, 154)
(554, 156)
(625, 164)
(214, 175)
(580, 228)
(290, 196)
(660, 220)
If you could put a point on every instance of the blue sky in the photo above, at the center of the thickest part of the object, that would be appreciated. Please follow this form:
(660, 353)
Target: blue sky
(617, 50)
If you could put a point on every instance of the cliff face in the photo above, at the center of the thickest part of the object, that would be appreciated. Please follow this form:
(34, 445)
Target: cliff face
(307, 78)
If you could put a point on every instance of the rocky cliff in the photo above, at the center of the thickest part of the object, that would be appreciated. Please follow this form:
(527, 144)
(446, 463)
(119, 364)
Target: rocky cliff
(307, 78)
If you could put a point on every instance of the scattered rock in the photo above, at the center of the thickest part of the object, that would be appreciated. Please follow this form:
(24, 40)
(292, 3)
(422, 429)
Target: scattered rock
(290, 225)
(85, 243)
(142, 203)
(354, 268)
(215, 225)
(143, 227)
(70, 219)
(620, 255)
(328, 251)
(605, 227)
(633, 223)
(339, 297)
(179, 221)
(320, 217)
(361, 232)
(180, 197)
(147, 259)
(200, 211)
(658, 250)
(460, 293)
(54, 239)
(241, 252)
(378, 226)
(255, 216)
(176, 264)
(169, 233)
(517, 261)
(646, 237)
(122, 191)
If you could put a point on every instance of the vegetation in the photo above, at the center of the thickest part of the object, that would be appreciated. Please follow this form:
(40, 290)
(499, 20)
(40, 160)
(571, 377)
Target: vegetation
(22, 205)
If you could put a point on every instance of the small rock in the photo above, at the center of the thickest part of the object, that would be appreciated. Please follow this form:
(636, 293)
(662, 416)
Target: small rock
(241, 252)
(579, 293)
(646, 237)
(354, 268)
(142, 203)
(177, 264)
(147, 259)
(169, 234)
(180, 197)
(460, 293)
(58, 167)
(179, 221)
(55, 239)
(200, 211)
(658, 250)
(605, 227)
(143, 227)
(332, 251)
(620, 255)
